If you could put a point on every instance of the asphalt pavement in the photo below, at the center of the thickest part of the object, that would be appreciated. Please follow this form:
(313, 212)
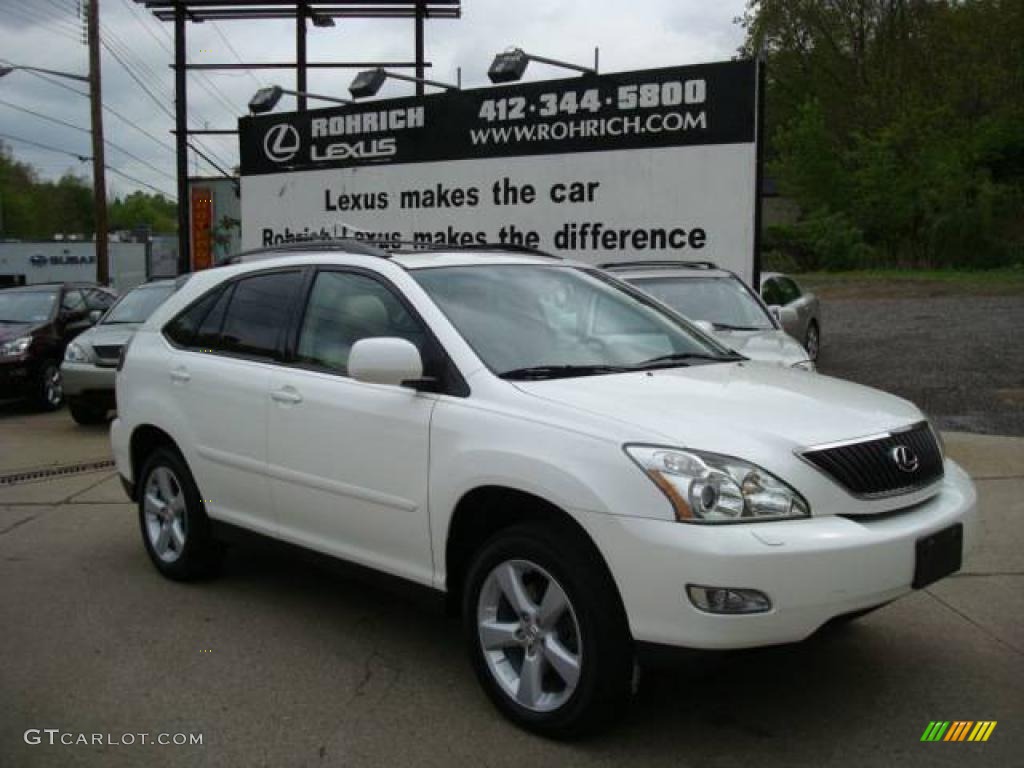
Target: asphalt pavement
(281, 663)
(959, 357)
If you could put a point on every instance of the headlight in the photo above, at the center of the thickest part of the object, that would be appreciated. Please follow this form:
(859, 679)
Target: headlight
(15, 347)
(76, 353)
(710, 488)
(805, 365)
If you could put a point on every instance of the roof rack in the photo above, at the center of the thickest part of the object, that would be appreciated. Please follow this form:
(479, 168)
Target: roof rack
(659, 263)
(380, 247)
(345, 244)
(485, 247)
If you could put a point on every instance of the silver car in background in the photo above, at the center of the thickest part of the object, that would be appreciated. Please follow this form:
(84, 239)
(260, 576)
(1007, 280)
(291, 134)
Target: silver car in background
(798, 310)
(719, 302)
(90, 361)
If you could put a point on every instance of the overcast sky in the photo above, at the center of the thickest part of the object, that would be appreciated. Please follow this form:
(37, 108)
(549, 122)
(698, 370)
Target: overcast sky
(48, 33)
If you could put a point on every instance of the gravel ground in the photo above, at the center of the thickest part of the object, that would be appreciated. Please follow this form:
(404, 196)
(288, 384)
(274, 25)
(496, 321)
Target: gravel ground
(960, 358)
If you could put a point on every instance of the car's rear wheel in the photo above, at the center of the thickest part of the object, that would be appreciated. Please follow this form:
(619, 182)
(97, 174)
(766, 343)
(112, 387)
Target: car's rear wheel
(86, 414)
(49, 387)
(812, 343)
(175, 528)
(546, 631)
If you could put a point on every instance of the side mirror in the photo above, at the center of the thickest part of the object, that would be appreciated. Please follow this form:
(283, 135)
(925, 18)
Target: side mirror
(788, 316)
(385, 360)
(775, 309)
(94, 316)
(705, 326)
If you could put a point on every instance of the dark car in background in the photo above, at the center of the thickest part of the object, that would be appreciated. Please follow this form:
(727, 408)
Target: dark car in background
(90, 361)
(36, 324)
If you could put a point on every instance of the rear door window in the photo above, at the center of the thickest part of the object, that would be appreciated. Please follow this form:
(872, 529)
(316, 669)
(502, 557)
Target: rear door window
(258, 314)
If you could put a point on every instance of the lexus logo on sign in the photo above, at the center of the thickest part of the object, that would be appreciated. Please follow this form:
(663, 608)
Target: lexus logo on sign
(906, 460)
(281, 142)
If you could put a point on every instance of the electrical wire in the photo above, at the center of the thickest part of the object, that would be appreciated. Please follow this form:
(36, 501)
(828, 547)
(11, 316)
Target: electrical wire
(86, 159)
(106, 108)
(110, 144)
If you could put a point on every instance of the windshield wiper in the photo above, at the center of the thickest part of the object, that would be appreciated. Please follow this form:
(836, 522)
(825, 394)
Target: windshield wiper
(561, 371)
(727, 327)
(665, 361)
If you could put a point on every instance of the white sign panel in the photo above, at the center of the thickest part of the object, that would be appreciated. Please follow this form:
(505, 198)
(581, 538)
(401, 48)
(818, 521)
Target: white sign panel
(654, 164)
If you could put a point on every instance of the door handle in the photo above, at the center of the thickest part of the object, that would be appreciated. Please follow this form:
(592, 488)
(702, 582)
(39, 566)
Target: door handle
(287, 395)
(181, 375)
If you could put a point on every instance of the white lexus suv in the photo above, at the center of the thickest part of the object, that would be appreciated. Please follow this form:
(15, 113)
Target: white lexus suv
(583, 474)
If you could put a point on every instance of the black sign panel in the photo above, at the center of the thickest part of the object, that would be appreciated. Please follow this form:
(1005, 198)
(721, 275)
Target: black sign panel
(675, 106)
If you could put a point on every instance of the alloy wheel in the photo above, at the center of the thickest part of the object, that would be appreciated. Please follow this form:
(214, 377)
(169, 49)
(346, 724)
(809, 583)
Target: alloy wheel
(53, 386)
(529, 635)
(164, 509)
(813, 342)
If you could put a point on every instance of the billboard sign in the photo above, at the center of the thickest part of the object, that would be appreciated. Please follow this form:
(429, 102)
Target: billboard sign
(630, 165)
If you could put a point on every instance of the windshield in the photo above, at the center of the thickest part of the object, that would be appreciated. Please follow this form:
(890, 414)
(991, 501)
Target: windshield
(724, 302)
(137, 305)
(27, 306)
(531, 321)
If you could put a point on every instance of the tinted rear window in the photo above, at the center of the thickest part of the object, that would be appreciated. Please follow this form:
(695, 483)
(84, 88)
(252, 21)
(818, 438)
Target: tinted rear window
(258, 314)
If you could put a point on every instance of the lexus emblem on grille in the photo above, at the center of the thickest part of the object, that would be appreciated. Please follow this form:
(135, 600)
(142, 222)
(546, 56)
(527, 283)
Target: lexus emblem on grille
(906, 460)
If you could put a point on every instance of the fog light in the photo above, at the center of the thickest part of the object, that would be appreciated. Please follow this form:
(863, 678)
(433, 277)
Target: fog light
(728, 600)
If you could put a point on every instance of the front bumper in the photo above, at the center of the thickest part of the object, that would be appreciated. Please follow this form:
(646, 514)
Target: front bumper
(89, 382)
(17, 377)
(813, 570)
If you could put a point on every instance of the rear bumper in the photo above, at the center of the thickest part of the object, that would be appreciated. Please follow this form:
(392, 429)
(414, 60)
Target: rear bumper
(812, 570)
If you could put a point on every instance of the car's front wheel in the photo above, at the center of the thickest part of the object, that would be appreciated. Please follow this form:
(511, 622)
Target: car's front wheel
(546, 631)
(175, 528)
(86, 414)
(49, 387)
(812, 343)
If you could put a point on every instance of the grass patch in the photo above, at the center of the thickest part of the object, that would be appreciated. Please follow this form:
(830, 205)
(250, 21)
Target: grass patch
(915, 283)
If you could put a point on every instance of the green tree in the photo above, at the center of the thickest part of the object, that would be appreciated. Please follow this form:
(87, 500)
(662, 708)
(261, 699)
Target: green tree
(905, 117)
(31, 208)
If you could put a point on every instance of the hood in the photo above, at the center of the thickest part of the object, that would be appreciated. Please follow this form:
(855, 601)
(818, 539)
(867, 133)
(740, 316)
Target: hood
(108, 335)
(9, 331)
(726, 407)
(769, 346)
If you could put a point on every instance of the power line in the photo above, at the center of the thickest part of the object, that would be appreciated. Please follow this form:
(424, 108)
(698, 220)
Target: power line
(48, 26)
(86, 159)
(110, 144)
(220, 33)
(156, 100)
(126, 120)
(11, 137)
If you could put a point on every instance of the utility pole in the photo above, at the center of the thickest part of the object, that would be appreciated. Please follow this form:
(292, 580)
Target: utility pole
(99, 179)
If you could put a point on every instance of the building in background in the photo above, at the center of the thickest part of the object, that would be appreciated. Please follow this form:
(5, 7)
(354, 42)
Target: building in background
(28, 262)
(215, 219)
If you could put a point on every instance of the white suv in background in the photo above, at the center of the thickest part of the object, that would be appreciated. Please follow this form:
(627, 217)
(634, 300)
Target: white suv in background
(581, 471)
(719, 302)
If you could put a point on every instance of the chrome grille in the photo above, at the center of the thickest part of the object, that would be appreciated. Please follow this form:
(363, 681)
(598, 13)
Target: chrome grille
(871, 468)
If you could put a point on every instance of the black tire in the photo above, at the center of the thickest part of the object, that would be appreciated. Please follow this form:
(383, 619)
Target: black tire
(86, 415)
(200, 556)
(812, 343)
(606, 654)
(49, 387)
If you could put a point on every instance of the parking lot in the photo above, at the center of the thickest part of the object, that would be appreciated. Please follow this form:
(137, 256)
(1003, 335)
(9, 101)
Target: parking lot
(280, 663)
